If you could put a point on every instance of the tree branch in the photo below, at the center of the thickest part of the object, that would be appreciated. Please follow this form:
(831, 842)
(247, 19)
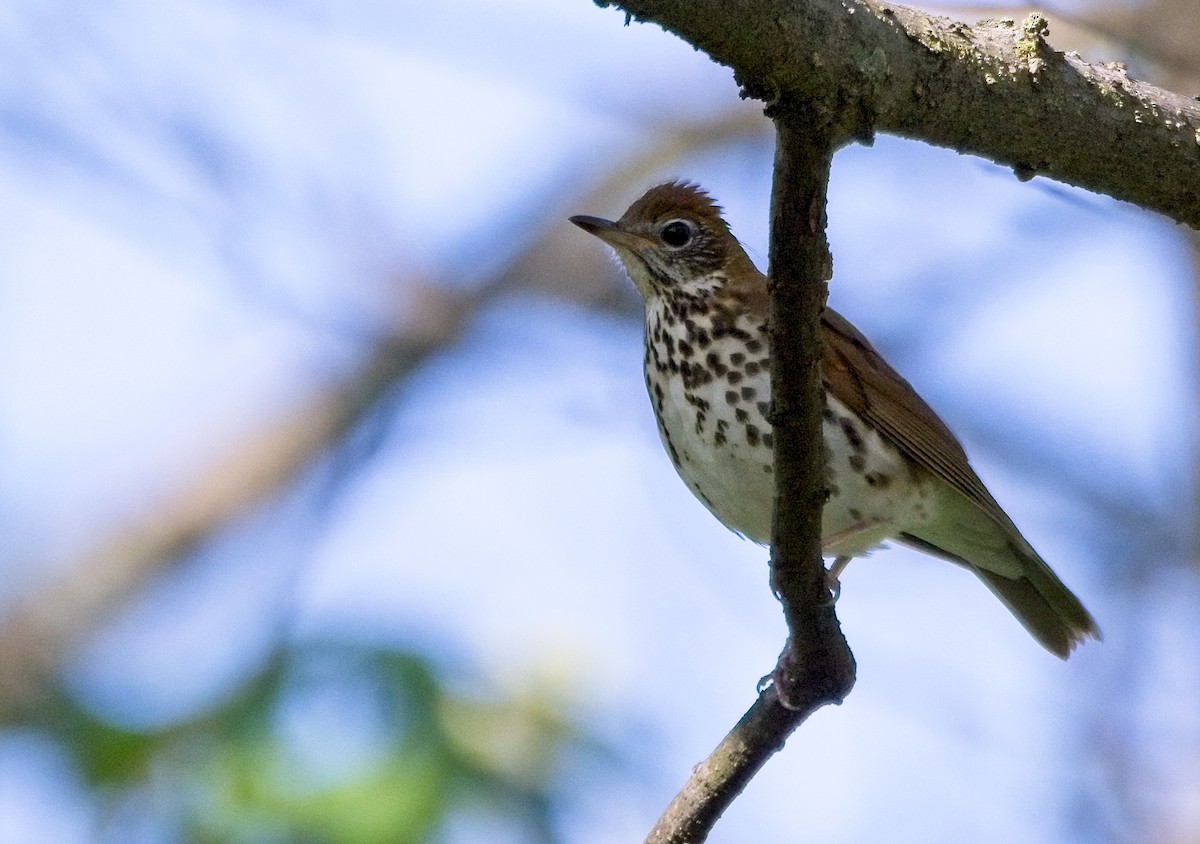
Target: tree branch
(816, 667)
(720, 778)
(829, 71)
(996, 89)
(40, 630)
(35, 634)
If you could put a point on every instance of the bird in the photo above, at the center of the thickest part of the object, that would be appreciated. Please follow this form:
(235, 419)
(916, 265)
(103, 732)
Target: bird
(894, 470)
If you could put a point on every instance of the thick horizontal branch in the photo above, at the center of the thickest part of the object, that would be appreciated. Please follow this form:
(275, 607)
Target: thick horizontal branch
(996, 89)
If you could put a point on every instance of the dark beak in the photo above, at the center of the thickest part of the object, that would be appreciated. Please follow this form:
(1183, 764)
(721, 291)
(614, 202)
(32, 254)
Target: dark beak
(610, 232)
(593, 225)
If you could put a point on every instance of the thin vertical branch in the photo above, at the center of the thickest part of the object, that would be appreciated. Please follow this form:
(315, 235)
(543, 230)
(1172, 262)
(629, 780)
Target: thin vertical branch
(816, 667)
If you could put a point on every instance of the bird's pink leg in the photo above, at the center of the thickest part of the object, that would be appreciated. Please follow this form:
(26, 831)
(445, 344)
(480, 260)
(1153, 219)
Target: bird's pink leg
(840, 561)
(832, 581)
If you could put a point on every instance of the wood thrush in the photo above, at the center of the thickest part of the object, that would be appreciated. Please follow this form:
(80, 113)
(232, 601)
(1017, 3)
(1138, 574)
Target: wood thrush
(894, 469)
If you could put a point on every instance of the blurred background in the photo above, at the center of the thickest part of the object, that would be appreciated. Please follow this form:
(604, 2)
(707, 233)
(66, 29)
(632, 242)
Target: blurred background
(332, 508)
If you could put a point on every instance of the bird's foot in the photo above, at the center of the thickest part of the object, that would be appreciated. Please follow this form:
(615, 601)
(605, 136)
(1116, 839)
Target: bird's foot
(833, 579)
(835, 590)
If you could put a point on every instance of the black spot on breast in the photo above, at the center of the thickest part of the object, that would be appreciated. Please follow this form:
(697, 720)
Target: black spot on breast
(734, 377)
(741, 415)
(731, 396)
(754, 346)
(685, 348)
(752, 368)
(674, 455)
(768, 440)
(857, 462)
(714, 364)
(696, 375)
(850, 431)
(748, 393)
(737, 358)
(752, 434)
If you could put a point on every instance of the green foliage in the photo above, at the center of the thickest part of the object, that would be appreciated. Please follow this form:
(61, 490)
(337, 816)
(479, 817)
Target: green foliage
(392, 752)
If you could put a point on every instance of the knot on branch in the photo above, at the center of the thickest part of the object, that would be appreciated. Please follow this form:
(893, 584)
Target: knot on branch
(807, 677)
(1031, 42)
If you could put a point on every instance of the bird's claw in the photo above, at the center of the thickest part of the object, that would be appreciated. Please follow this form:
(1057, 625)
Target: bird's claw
(835, 591)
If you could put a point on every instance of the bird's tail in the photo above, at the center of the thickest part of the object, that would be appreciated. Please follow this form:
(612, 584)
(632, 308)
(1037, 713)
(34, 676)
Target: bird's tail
(1006, 562)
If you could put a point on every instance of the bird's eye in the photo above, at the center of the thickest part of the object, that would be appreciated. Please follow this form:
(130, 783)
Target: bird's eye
(677, 233)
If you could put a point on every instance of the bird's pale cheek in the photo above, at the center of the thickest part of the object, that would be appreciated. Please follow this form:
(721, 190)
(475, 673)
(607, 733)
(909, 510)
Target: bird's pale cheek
(636, 269)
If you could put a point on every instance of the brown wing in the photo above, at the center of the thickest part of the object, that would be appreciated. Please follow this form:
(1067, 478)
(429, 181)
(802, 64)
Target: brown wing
(863, 381)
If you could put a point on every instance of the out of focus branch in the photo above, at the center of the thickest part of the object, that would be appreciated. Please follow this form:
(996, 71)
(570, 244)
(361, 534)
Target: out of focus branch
(37, 634)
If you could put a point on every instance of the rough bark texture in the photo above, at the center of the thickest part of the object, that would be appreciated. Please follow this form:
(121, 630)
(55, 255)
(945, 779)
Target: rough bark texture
(816, 666)
(995, 89)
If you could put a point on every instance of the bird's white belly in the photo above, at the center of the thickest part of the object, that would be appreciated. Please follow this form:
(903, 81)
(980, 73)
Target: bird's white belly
(873, 495)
